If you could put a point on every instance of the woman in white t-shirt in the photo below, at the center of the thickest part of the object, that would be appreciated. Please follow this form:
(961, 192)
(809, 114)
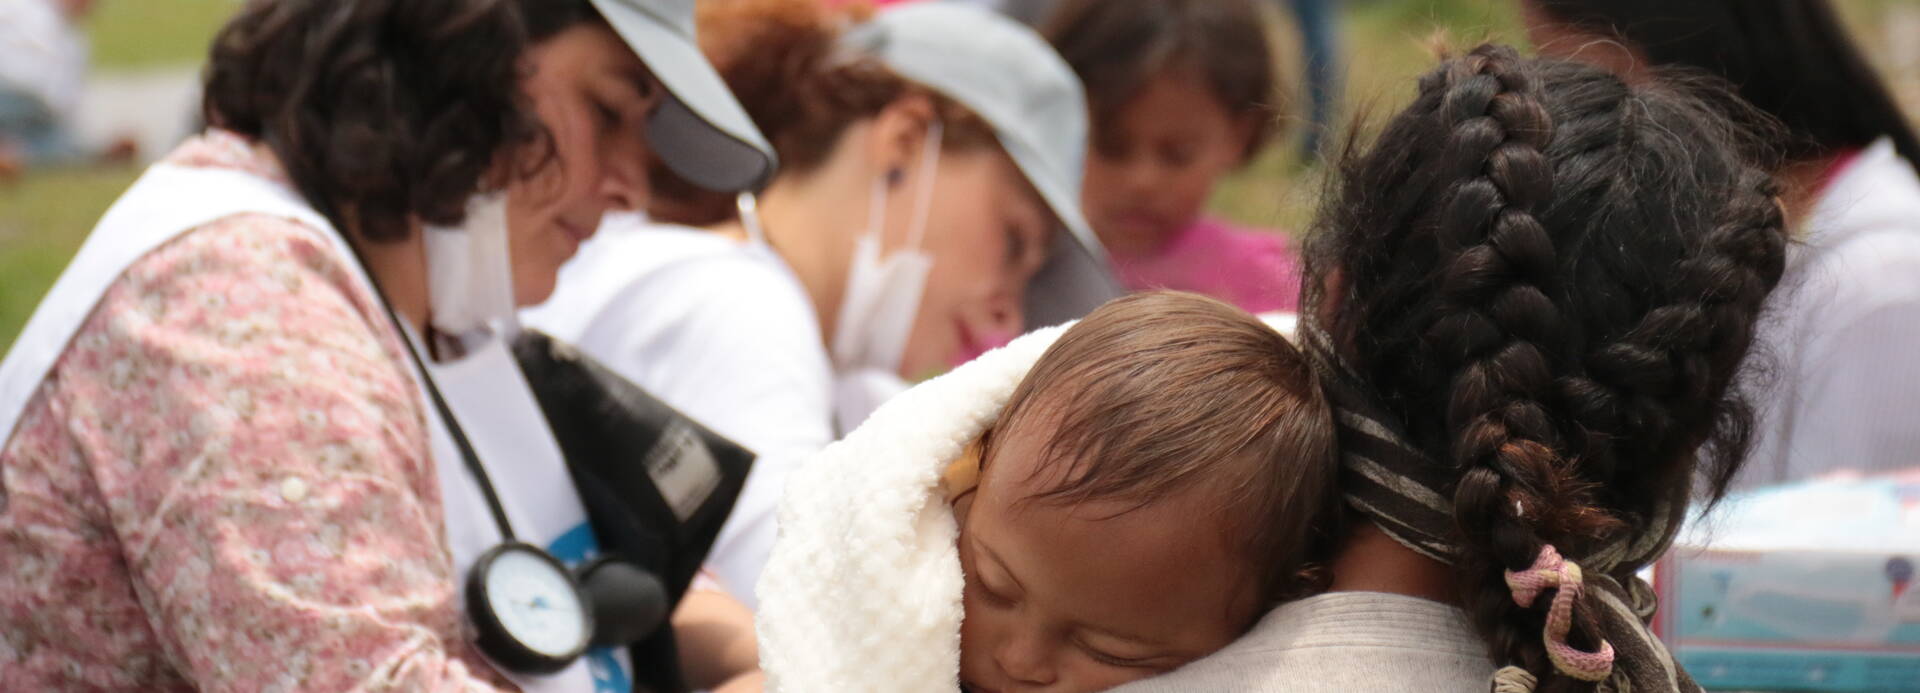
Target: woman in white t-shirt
(1841, 336)
(926, 211)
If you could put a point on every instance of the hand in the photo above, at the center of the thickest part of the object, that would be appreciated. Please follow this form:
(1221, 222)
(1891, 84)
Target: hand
(716, 641)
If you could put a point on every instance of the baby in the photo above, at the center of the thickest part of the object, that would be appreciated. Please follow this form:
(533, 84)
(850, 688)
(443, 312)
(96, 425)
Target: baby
(1157, 481)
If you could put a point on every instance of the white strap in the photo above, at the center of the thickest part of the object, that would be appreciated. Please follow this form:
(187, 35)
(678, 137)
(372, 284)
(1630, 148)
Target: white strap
(166, 202)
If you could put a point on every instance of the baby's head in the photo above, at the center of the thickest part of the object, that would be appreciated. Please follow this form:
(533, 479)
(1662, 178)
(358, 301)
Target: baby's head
(1181, 91)
(1161, 477)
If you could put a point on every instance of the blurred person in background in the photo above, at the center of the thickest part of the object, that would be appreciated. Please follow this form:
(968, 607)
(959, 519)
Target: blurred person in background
(1182, 92)
(1320, 45)
(221, 469)
(927, 210)
(1318, 22)
(1845, 325)
(43, 70)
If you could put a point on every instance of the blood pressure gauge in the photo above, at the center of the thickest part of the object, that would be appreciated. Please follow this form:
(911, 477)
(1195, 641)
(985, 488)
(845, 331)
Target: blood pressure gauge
(528, 608)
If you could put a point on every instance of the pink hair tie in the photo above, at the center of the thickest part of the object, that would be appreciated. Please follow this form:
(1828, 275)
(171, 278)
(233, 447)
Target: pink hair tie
(1550, 571)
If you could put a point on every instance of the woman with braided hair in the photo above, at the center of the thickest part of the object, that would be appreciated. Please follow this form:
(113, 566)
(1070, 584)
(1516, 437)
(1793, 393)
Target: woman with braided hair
(1845, 378)
(1529, 300)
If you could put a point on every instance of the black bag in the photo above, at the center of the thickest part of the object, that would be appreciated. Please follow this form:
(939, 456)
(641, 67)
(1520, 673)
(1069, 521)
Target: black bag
(656, 485)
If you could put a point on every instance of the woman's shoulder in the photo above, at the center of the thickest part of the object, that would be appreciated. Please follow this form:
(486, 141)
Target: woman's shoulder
(716, 282)
(1344, 641)
(242, 308)
(1875, 194)
(633, 272)
(671, 308)
(257, 267)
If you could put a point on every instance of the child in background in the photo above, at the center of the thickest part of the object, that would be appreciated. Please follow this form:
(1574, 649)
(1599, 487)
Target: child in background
(1182, 92)
(1129, 500)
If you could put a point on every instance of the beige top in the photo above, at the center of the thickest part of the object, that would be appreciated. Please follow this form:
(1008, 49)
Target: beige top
(1343, 642)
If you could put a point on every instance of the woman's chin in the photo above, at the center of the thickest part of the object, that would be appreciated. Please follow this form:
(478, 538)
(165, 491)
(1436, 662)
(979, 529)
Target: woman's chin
(530, 292)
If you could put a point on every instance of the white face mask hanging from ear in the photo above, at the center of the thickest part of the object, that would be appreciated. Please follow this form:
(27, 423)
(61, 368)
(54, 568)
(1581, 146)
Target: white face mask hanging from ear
(881, 301)
(470, 273)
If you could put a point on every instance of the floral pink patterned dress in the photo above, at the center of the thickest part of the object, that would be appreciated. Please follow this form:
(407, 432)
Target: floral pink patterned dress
(224, 483)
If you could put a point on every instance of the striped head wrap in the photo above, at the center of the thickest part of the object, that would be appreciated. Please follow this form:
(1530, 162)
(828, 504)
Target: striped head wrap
(1409, 496)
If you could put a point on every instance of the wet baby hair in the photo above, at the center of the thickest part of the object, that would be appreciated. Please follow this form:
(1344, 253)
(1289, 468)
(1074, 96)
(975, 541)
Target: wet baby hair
(1158, 393)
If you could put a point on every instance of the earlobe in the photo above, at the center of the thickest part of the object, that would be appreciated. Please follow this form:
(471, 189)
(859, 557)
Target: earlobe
(899, 135)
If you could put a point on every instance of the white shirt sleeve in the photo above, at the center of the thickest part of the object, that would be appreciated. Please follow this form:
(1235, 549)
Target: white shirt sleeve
(730, 340)
(1857, 394)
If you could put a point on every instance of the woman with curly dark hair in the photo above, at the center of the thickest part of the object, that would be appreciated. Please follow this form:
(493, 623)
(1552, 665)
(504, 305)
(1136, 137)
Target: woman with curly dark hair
(1529, 301)
(224, 468)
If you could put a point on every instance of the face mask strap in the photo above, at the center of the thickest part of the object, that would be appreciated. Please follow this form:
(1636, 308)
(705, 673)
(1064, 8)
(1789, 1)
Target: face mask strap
(929, 170)
(877, 210)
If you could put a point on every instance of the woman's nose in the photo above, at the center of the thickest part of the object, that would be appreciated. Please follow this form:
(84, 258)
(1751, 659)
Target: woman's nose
(1141, 175)
(627, 186)
(1005, 316)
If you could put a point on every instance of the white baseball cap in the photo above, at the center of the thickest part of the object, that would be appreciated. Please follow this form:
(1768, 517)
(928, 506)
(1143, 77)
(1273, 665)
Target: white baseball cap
(701, 132)
(1009, 76)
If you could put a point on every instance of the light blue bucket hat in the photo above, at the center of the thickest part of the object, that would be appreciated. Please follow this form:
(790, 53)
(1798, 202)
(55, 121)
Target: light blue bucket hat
(701, 133)
(1009, 76)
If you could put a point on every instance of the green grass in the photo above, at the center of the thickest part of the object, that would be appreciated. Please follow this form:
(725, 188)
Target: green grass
(148, 33)
(45, 216)
(1386, 43)
(43, 219)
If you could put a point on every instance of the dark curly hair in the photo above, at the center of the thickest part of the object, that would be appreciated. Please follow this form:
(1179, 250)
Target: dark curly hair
(1552, 278)
(383, 111)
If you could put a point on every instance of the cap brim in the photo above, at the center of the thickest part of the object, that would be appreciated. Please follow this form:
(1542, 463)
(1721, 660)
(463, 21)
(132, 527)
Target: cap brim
(1078, 276)
(701, 133)
(1070, 285)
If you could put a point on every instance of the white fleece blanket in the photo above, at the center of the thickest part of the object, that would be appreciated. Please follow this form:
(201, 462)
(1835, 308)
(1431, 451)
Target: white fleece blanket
(862, 592)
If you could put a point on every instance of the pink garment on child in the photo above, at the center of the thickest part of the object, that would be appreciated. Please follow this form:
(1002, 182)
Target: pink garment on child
(1257, 270)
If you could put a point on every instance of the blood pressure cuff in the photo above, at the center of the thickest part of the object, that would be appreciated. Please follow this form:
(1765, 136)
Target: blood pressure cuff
(656, 484)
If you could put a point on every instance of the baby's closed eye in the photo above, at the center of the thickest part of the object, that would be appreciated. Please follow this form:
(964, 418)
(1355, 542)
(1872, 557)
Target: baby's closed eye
(1120, 653)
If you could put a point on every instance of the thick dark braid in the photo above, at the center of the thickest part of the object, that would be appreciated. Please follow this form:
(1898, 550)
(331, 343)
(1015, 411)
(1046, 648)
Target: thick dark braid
(1551, 277)
(1493, 328)
(1647, 394)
